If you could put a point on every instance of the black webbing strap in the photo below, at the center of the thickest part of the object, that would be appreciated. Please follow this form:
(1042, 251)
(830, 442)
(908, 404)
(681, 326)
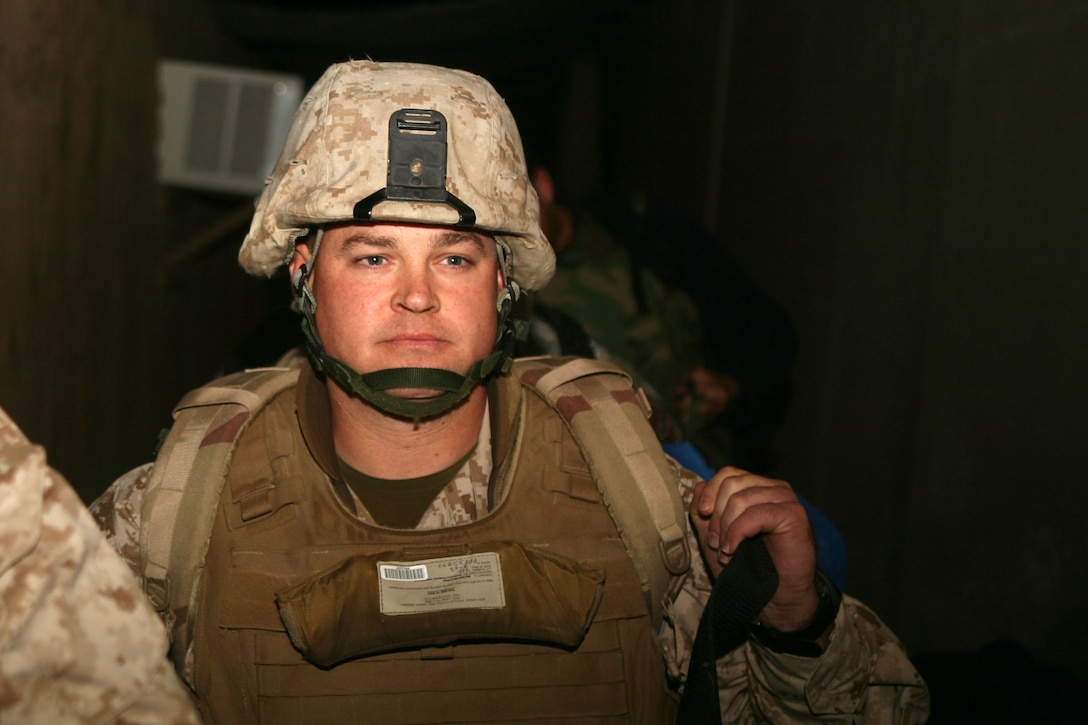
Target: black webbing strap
(740, 592)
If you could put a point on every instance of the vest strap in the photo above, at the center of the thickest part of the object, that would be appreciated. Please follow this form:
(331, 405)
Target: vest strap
(620, 446)
(176, 518)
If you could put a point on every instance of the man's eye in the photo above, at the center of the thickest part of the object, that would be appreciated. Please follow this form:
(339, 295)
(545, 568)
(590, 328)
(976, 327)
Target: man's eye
(371, 260)
(456, 260)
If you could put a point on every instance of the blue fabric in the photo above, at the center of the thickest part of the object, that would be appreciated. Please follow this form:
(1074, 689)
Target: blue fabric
(830, 546)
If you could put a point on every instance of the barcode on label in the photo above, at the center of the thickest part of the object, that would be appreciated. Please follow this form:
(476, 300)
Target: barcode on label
(403, 573)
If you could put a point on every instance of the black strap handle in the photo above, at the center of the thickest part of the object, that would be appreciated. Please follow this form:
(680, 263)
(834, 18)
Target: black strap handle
(740, 593)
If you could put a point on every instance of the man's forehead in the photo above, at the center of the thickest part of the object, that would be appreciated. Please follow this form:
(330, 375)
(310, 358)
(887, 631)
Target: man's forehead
(400, 234)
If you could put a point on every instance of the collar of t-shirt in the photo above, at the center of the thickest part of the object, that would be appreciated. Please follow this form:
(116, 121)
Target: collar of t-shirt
(399, 503)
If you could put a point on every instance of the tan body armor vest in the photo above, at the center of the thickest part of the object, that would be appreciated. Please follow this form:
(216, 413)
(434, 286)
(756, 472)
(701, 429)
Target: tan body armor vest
(279, 524)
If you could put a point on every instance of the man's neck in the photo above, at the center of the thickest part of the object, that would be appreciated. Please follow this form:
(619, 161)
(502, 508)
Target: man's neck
(383, 446)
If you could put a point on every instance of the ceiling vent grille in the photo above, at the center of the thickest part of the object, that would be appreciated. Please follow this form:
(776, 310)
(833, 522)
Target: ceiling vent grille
(222, 128)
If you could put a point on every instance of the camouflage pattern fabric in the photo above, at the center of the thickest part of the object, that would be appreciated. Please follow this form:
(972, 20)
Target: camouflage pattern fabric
(864, 676)
(78, 643)
(656, 339)
(349, 110)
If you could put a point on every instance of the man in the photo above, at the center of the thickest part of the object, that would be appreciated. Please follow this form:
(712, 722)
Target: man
(416, 531)
(660, 295)
(78, 643)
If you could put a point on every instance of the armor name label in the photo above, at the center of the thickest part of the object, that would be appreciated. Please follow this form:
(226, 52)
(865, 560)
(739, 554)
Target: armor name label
(472, 581)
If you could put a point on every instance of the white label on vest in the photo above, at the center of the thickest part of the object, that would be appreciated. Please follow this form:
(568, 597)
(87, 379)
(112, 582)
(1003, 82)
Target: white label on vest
(402, 573)
(472, 581)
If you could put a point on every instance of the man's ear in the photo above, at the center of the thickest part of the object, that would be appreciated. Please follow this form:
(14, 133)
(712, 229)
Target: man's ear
(544, 185)
(300, 256)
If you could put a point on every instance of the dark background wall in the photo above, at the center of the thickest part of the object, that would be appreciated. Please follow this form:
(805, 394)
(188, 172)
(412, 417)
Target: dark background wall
(907, 178)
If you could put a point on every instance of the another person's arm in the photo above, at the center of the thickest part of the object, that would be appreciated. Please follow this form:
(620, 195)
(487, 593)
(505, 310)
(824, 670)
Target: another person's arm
(78, 641)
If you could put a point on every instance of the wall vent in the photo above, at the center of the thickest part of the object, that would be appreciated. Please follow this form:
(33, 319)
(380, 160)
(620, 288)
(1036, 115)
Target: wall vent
(222, 128)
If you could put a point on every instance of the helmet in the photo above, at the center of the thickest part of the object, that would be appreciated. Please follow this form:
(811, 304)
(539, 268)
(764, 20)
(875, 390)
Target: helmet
(416, 143)
(402, 142)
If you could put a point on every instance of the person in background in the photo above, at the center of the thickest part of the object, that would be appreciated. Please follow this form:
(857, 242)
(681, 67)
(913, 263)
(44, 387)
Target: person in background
(659, 295)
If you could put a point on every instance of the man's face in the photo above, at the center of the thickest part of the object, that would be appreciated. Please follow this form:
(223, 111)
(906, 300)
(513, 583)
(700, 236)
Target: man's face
(398, 295)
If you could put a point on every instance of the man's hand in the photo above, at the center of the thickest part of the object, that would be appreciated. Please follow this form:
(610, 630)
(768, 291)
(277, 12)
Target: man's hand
(734, 505)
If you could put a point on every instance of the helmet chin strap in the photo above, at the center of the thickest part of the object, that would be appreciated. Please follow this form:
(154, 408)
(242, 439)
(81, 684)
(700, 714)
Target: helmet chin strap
(451, 387)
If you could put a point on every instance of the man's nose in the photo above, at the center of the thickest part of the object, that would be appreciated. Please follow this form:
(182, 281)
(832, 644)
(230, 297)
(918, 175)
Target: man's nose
(416, 293)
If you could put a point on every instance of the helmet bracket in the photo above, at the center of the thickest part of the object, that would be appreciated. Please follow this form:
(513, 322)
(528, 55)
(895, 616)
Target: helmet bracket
(417, 165)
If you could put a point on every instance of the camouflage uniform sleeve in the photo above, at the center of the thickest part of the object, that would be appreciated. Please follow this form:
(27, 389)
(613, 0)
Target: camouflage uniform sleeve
(117, 513)
(864, 676)
(78, 642)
